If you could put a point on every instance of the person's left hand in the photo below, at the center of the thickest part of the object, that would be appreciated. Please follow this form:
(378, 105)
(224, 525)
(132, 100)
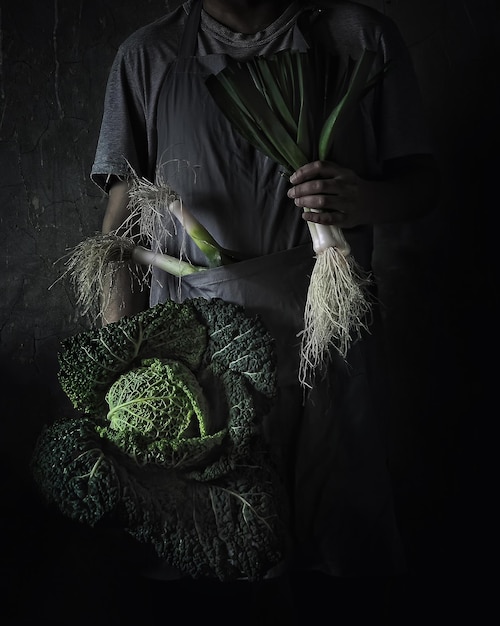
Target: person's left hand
(332, 191)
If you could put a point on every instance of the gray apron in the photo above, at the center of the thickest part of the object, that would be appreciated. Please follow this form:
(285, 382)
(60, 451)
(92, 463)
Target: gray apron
(273, 280)
(329, 444)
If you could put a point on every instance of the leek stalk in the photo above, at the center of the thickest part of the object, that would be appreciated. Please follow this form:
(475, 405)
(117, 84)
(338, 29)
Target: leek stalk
(272, 102)
(150, 206)
(94, 263)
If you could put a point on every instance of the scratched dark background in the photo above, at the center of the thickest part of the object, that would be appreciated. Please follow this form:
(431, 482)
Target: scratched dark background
(438, 281)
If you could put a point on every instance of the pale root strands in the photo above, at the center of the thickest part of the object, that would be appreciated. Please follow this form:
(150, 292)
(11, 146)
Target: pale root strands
(97, 263)
(93, 266)
(336, 310)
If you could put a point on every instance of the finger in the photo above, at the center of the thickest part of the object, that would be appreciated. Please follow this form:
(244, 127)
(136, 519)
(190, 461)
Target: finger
(329, 218)
(320, 187)
(320, 202)
(315, 170)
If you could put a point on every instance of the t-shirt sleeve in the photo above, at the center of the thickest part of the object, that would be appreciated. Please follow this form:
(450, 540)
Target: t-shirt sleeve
(401, 119)
(122, 141)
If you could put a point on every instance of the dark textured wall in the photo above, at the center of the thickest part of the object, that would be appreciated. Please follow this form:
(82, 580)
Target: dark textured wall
(436, 278)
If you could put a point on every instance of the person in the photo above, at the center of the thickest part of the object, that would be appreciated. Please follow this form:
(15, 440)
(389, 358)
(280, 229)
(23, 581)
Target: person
(160, 122)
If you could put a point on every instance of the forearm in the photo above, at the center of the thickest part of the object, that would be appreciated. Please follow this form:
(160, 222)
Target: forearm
(124, 295)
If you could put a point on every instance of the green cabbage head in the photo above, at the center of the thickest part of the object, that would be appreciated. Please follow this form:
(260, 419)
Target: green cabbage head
(161, 401)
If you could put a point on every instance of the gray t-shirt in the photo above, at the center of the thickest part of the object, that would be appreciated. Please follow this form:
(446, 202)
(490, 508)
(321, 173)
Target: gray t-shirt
(397, 126)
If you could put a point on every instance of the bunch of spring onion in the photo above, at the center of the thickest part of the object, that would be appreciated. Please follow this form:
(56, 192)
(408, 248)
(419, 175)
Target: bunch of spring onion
(275, 103)
(154, 211)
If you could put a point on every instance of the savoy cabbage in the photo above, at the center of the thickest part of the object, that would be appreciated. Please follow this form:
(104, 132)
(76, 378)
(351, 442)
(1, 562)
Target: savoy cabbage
(168, 443)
